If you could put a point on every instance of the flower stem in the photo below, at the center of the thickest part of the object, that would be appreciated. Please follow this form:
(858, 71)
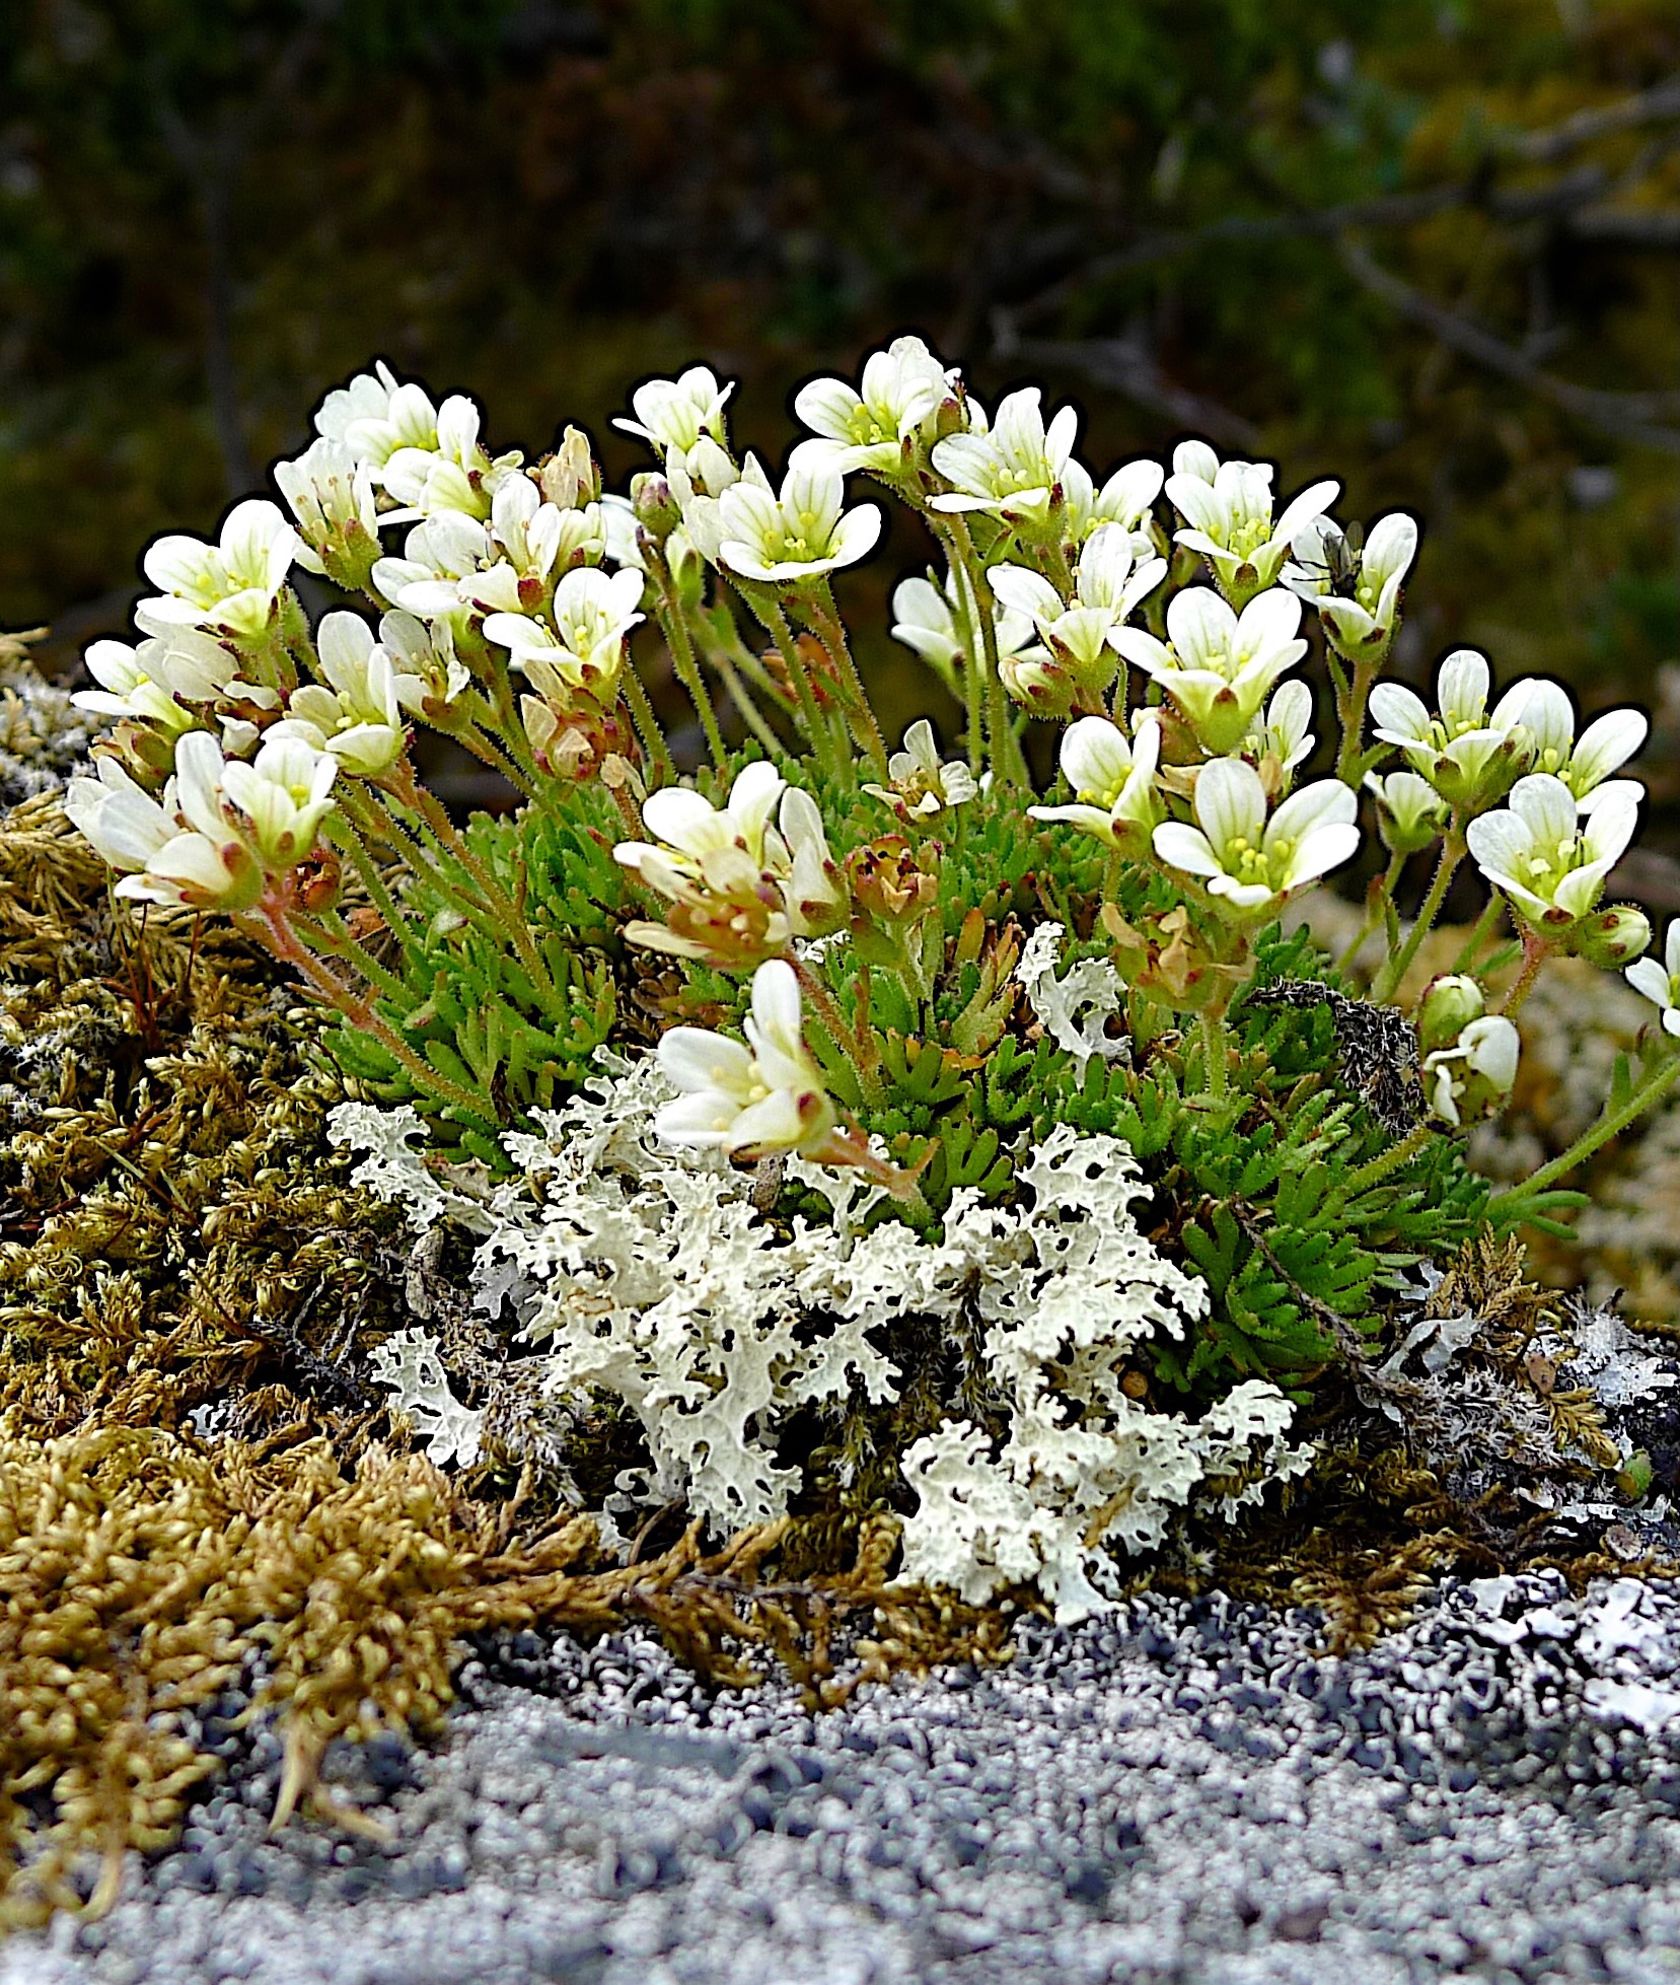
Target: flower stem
(997, 703)
(1216, 1054)
(647, 726)
(1485, 926)
(1452, 853)
(1388, 1161)
(1535, 953)
(678, 640)
(284, 942)
(768, 609)
(855, 1044)
(831, 632)
(1352, 714)
(1381, 895)
(1649, 1092)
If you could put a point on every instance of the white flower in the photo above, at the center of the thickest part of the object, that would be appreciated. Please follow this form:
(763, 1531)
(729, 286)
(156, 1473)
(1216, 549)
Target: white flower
(1113, 779)
(748, 1101)
(675, 413)
(1125, 499)
(697, 482)
(356, 716)
(1357, 594)
(921, 786)
(797, 534)
(1080, 636)
(374, 416)
(441, 556)
(1014, 468)
(763, 858)
(155, 682)
(1659, 983)
(1220, 666)
(1467, 755)
(901, 388)
(1250, 861)
(1545, 711)
(1549, 859)
(237, 822)
(330, 494)
(428, 673)
(1410, 813)
(1228, 506)
(450, 472)
(118, 817)
(230, 586)
(932, 621)
(687, 827)
(535, 539)
(1283, 734)
(1477, 1072)
(593, 613)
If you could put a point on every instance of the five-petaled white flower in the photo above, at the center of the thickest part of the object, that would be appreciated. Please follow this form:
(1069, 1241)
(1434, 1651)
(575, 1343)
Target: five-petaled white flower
(866, 427)
(1251, 862)
(231, 586)
(1125, 499)
(800, 533)
(1357, 594)
(1113, 780)
(675, 413)
(1283, 733)
(532, 538)
(1015, 468)
(1659, 983)
(155, 682)
(1219, 666)
(124, 824)
(356, 715)
(331, 495)
(1470, 757)
(1410, 813)
(376, 414)
(429, 674)
(593, 613)
(441, 557)
(921, 786)
(751, 1101)
(450, 472)
(1549, 858)
(1583, 764)
(1228, 507)
(1079, 637)
(934, 621)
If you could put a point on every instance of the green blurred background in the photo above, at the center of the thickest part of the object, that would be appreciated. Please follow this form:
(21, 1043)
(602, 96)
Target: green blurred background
(1430, 246)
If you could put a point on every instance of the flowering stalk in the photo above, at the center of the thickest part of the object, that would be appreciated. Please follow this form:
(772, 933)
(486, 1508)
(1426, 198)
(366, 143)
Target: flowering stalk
(1452, 854)
(1611, 1123)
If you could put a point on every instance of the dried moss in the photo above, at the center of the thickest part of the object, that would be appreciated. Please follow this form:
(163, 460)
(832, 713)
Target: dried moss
(141, 1575)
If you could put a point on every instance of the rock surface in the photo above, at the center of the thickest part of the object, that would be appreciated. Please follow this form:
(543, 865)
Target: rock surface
(1179, 1794)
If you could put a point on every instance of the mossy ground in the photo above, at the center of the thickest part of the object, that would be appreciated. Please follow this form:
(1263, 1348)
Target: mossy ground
(199, 1485)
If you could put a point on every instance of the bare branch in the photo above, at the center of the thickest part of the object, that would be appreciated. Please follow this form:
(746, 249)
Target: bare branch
(1627, 416)
(1652, 106)
(1125, 366)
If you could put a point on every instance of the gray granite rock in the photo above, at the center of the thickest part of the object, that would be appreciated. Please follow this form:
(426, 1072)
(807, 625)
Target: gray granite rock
(1179, 1794)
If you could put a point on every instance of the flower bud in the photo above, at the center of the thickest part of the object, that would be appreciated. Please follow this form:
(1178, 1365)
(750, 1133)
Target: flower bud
(1446, 1009)
(1614, 937)
(657, 511)
(569, 478)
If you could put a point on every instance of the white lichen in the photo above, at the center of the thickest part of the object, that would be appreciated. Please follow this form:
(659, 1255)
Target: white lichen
(649, 1275)
(409, 1366)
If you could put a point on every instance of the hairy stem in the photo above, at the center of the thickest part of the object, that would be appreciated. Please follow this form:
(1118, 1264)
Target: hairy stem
(678, 640)
(1611, 1124)
(831, 632)
(1452, 853)
(1388, 1161)
(647, 726)
(1379, 897)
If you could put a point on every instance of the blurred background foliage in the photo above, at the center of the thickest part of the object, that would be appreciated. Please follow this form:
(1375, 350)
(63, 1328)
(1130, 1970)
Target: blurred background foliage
(1431, 246)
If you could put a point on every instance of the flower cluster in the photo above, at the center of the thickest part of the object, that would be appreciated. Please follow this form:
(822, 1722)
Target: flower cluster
(852, 966)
